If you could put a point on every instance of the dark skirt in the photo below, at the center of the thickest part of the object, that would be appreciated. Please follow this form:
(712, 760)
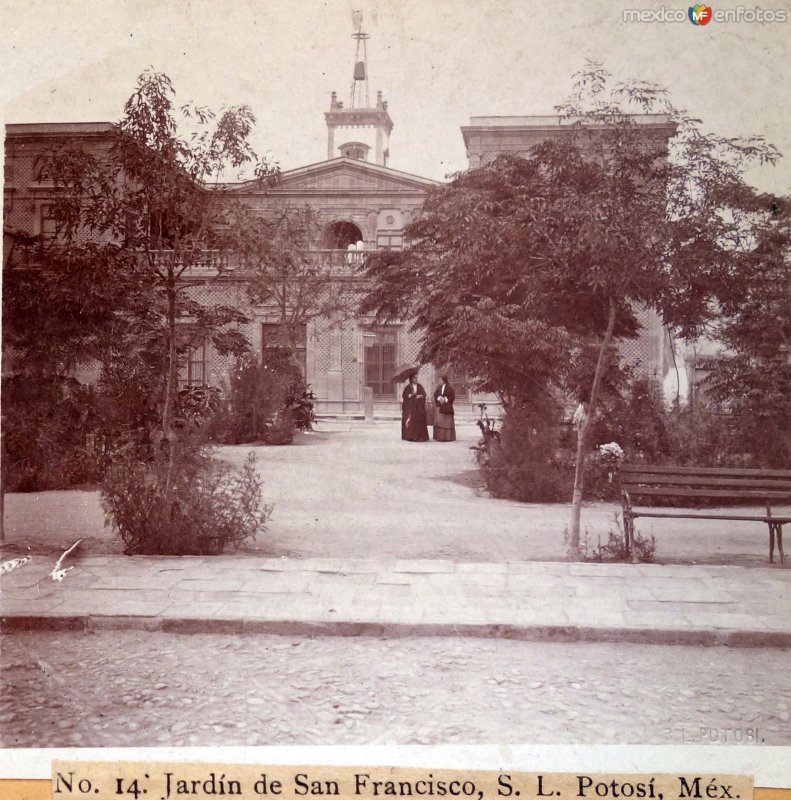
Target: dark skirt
(444, 428)
(414, 427)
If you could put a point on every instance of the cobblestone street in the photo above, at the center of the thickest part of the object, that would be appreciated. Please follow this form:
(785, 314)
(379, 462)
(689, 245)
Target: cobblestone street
(128, 688)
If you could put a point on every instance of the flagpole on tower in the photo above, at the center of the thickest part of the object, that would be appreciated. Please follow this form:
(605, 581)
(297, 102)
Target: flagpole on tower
(360, 79)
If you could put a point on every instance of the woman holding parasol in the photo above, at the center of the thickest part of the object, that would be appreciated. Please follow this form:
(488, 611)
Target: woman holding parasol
(413, 411)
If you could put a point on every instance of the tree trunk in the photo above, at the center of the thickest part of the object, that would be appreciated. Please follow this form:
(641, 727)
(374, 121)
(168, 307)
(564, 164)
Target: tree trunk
(170, 391)
(286, 330)
(582, 441)
(172, 373)
(2, 485)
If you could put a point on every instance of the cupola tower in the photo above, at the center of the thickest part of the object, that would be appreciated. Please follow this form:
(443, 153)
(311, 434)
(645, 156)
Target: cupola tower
(361, 127)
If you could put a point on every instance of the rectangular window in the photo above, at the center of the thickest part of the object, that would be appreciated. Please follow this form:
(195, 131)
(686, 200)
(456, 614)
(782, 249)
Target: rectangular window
(48, 228)
(390, 241)
(273, 335)
(193, 372)
(380, 362)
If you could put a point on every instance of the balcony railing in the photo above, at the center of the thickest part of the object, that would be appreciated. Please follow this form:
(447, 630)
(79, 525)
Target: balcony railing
(194, 263)
(208, 263)
(203, 264)
(344, 261)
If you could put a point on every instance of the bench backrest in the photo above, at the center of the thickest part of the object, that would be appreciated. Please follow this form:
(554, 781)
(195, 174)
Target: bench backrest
(714, 482)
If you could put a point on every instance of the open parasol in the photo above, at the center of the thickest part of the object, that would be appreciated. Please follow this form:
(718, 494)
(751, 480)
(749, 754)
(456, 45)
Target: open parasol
(403, 371)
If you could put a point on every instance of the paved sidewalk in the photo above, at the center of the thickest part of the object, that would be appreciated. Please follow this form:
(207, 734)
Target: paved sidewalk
(547, 601)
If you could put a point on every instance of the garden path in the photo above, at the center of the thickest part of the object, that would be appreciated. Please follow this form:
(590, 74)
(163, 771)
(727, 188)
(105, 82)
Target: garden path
(355, 490)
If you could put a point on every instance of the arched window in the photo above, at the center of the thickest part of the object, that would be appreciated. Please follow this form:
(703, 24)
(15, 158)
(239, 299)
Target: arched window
(339, 235)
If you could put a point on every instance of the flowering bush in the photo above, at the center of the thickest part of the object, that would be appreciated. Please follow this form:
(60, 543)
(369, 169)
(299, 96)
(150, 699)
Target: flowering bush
(611, 453)
(602, 469)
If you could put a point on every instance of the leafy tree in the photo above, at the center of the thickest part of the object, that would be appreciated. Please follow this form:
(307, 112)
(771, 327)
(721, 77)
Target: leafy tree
(61, 307)
(519, 267)
(156, 203)
(154, 207)
(58, 305)
(139, 222)
(751, 378)
(468, 285)
(291, 277)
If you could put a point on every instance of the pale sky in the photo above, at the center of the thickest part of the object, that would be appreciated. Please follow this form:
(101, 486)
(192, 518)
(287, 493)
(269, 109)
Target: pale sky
(438, 62)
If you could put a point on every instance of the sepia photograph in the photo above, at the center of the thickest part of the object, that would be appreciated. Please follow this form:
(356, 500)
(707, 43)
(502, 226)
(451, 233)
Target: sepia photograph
(395, 373)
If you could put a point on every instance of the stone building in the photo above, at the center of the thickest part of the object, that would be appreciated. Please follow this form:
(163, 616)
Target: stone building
(360, 206)
(28, 190)
(361, 203)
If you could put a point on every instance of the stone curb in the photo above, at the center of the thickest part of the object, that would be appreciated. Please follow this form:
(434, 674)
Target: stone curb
(528, 633)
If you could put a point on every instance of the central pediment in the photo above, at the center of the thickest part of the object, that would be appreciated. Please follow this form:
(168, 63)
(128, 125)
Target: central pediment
(348, 175)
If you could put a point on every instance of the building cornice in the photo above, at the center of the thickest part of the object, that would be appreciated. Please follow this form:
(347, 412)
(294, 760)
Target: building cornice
(409, 181)
(39, 130)
(356, 117)
(554, 124)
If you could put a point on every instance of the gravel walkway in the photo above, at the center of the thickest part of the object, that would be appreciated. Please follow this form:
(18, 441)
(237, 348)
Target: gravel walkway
(355, 490)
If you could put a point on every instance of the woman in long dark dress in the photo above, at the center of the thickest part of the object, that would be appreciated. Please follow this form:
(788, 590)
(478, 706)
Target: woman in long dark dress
(413, 412)
(444, 425)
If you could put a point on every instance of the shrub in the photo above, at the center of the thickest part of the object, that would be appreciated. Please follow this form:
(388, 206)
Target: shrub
(761, 440)
(707, 436)
(51, 434)
(532, 457)
(264, 402)
(301, 402)
(701, 438)
(196, 404)
(637, 419)
(130, 391)
(280, 428)
(187, 504)
(524, 461)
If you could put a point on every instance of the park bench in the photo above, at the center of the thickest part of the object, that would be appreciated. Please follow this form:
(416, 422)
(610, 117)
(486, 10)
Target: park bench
(764, 487)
